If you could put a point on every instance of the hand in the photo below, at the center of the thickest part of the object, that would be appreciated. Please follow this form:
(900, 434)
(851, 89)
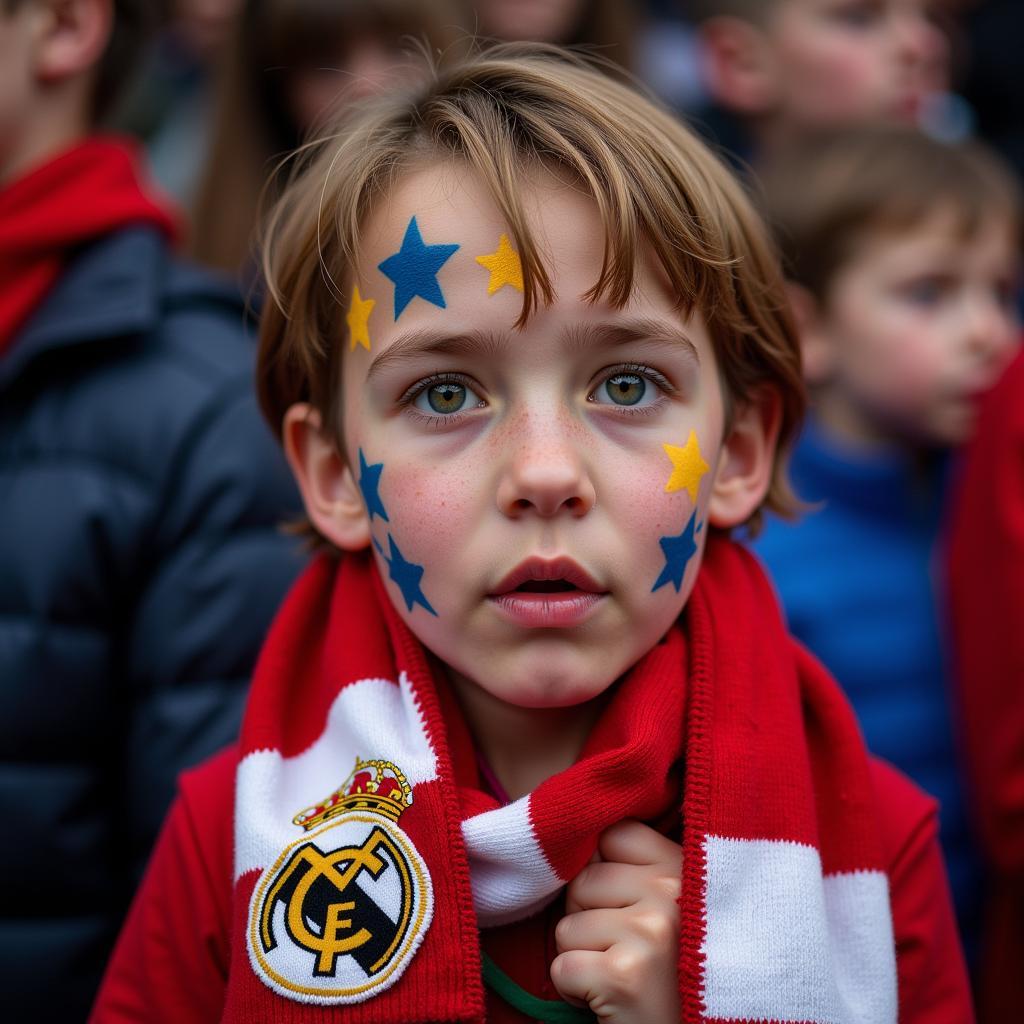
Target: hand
(618, 944)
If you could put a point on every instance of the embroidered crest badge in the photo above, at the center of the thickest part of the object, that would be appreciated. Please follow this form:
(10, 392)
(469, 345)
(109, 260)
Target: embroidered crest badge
(340, 913)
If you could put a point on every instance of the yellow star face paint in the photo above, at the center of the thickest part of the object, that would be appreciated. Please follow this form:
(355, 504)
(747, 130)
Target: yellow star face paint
(504, 266)
(688, 466)
(357, 318)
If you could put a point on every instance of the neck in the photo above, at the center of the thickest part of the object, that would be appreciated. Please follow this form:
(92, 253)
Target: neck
(525, 746)
(62, 122)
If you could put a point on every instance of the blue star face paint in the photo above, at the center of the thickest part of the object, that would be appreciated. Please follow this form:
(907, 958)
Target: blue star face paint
(678, 551)
(369, 484)
(407, 576)
(414, 269)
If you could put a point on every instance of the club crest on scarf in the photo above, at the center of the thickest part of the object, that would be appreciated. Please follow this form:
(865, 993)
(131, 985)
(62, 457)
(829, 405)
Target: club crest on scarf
(340, 913)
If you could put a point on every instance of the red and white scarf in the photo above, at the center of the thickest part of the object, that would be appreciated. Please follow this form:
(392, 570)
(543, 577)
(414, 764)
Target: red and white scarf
(365, 885)
(87, 191)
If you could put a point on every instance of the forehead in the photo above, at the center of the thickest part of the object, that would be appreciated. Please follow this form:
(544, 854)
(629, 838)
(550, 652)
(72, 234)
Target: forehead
(446, 217)
(948, 234)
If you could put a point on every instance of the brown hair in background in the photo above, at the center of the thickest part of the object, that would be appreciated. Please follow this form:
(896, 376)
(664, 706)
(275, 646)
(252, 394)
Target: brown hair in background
(513, 110)
(253, 125)
(825, 194)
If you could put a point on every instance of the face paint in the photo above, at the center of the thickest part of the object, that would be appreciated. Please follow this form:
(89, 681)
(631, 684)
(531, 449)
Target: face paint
(504, 266)
(688, 466)
(369, 482)
(407, 576)
(357, 317)
(678, 552)
(414, 269)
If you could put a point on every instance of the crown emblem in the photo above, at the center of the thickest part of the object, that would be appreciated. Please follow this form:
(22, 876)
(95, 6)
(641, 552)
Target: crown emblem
(376, 786)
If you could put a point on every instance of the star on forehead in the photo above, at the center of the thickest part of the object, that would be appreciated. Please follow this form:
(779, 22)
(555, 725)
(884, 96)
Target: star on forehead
(357, 317)
(407, 575)
(678, 551)
(414, 269)
(688, 466)
(369, 483)
(504, 266)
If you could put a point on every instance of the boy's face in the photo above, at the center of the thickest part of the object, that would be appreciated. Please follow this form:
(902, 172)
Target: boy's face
(539, 537)
(848, 61)
(917, 326)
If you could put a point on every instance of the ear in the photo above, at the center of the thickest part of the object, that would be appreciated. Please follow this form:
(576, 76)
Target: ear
(71, 37)
(744, 470)
(739, 66)
(816, 349)
(329, 491)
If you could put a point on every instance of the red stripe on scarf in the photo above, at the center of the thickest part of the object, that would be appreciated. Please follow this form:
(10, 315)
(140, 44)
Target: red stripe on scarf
(75, 198)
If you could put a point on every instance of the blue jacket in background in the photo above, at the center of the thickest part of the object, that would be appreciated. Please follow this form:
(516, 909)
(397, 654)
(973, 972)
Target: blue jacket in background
(140, 565)
(857, 577)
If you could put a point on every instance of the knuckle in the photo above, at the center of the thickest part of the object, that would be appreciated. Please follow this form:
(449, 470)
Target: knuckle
(656, 927)
(624, 971)
(564, 932)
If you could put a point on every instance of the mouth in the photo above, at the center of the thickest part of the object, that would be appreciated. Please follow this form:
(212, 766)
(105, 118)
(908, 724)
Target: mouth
(553, 593)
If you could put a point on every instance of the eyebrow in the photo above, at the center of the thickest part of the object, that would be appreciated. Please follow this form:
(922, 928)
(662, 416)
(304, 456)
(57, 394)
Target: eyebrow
(427, 341)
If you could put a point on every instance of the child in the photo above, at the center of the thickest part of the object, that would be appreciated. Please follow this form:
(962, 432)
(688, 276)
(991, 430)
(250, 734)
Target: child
(903, 256)
(986, 594)
(512, 750)
(139, 495)
(289, 66)
(789, 67)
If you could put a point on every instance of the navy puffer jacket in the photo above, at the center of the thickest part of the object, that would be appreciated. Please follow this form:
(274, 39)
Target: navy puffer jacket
(140, 565)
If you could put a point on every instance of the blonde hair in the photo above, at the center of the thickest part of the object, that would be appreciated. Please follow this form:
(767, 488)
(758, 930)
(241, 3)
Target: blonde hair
(516, 106)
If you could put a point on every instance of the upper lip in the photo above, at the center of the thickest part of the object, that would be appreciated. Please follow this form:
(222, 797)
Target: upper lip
(549, 569)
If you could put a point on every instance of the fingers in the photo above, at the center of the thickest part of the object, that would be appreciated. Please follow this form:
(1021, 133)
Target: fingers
(600, 930)
(632, 842)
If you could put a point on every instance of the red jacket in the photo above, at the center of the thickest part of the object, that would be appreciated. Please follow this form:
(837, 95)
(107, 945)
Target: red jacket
(171, 962)
(987, 603)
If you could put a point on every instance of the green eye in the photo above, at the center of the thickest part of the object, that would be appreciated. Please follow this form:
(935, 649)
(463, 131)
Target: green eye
(447, 397)
(625, 388)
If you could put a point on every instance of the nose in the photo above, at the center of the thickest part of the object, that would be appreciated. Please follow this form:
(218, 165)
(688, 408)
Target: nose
(991, 328)
(545, 475)
(922, 44)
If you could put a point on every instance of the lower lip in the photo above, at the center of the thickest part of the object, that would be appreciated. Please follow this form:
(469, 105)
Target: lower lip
(552, 611)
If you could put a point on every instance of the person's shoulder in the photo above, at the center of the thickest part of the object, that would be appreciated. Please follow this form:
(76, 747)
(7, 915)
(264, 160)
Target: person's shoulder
(904, 810)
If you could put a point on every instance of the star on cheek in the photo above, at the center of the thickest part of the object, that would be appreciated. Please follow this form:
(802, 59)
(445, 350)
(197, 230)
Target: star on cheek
(688, 466)
(357, 319)
(414, 269)
(407, 576)
(369, 482)
(678, 551)
(504, 266)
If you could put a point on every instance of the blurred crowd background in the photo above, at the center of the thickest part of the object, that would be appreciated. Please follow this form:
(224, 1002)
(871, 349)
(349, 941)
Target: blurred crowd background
(856, 123)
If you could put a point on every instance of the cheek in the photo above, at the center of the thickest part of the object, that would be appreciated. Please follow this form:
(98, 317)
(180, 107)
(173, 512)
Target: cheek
(835, 78)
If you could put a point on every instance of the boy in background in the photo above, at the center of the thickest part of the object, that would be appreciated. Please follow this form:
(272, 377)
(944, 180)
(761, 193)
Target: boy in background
(139, 492)
(788, 67)
(530, 731)
(903, 258)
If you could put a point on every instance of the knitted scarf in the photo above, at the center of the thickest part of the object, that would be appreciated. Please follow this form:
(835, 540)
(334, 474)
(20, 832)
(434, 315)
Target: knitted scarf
(86, 192)
(366, 859)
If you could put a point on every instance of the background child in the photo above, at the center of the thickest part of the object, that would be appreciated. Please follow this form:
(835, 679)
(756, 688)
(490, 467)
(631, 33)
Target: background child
(903, 259)
(788, 67)
(986, 594)
(531, 360)
(139, 560)
(290, 66)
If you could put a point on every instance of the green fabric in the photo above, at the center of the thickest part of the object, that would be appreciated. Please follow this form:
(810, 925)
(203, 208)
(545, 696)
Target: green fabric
(547, 1011)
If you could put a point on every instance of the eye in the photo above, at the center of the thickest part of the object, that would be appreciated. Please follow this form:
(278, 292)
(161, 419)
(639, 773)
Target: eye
(630, 387)
(926, 291)
(445, 396)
